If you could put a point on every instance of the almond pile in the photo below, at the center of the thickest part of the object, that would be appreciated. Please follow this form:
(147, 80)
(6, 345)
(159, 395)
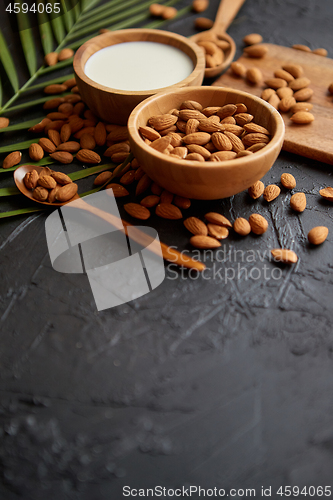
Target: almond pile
(50, 186)
(53, 57)
(216, 48)
(215, 133)
(158, 10)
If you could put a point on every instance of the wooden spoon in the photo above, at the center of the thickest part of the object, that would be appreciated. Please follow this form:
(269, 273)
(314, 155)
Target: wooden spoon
(168, 253)
(227, 11)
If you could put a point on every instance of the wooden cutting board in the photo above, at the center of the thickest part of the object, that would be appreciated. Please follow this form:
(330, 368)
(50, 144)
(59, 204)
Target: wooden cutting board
(314, 140)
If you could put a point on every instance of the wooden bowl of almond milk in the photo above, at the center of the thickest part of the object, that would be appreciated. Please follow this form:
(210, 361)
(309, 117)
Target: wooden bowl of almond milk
(117, 70)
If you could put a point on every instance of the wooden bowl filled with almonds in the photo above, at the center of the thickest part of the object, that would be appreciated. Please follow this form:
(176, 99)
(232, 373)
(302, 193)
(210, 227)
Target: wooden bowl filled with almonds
(205, 142)
(117, 70)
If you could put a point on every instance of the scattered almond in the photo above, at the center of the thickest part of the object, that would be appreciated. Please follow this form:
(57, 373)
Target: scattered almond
(66, 192)
(258, 223)
(288, 181)
(36, 152)
(137, 211)
(317, 235)
(252, 39)
(30, 179)
(196, 226)
(271, 192)
(284, 255)
(118, 190)
(62, 157)
(65, 54)
(256, 50)
(302, 117)
(168, 211)
(12, 159)
(61, 178)
(40, 193)
(4, 122)
(218, 232)
(256, 190)
(242, 226)
(88, 156)
(298, 202)
(216, 218)
(327, 193)
(204, 242)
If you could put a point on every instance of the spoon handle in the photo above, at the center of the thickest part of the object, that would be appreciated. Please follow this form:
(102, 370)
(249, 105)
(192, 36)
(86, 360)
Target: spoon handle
(168, 253)
(226, 13)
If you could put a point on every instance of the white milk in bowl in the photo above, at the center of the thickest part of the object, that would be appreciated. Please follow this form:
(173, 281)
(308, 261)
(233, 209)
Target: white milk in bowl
(138, 66)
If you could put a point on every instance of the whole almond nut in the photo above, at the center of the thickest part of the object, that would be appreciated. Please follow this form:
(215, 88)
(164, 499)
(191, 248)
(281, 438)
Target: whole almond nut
(62, 157)
(54, 136)
(66, 108)
(258, 223)
(283, 92)
(256, 190)
(199, 5)
(69, 147)
(219, 219)
(45, 171)
(161, 144)
(223, 156)
(40, 193)
(234, 129)
(237, 144)
(288, 181)
(78, 110)
(284, 255)
(36, 152)
(66, 192)
(298, 202)
(181, 152)
(160, 122)
(286, 104)
(281, 73)
(190, 105)
(150, 201)
(30, 179)
(243, 118)
(203, 23)
(143, 184)
(55, 115)
(118, 190)
(137, 211)
(226, 110)
(244, 153)
(88, 156)
(207, 125)
(299, 83)
(102, 178)
(187, 114)
(218, 232)
(47, 182)
(169, 12)
(274, 100)
(120, 147)
(87, 142)
(302, 117)
(61, 178)
(254, 138)
(271, 192)
(156, 189)
(301, 106)
(258, 129)
(54, 125)
(208, 46)
(52, 194)
(294, 69)
(201, 150)
(299, 46)
(149, 133)
(166, 196)
(256, 147)
(241, 108)
(267, 93)
(196, 226)
(256, 50)
(200, 138)
(119, 157)
(12, 159)
(182, 202)
(4, 122)
(238, 69)
(242, 226)
(168, 211)
(55, 88)
(53, 103)
(155, 9)
(210, 110)
(327, 193)
(204, 242)
(65, 54)
(65, 132)
(303, 94)
(317, 235)
(176, 139)
(100, 134)
(275, 83)
(76, 124)
(51, 58)
(252, 39)
(254, 75)
(191, 126)
(194, 157)
(47, 145)
(128, 177)
(320, 52)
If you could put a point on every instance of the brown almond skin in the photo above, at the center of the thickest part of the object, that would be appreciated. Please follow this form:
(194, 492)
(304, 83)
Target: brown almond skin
(298, 202)
(87, 156)
(54, 136)
(288, 181)
(258, 223)
(87, 142)
(12, 159)
(52, 194)
(256, 50)
(102, 178)
(150, 201)
(242, 226)
(168, 211)
(254, 75)
(118, 190)
(218, 232)
(47, 182)
(303, 94)
(65, 54)
(69, 147)
(62, 157)
(294, 69)
(66, 192)
(181, 202)
(256, 190)
(271, 192)
(4, 122)
(30, 179)
(36, 152)
(284, 255)
(55, 88)
(61, 178)
(47, 145)
(137, 211)
(252, 39)
(327, 193)
(40, 193)
(238, 68)
(51, 58)
(196, 226)
(219, 219)
(317, 235)
(302, 117)
(204, 242)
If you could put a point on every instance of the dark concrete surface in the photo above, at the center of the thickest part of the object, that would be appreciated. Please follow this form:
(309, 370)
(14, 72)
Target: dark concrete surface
(206, 381)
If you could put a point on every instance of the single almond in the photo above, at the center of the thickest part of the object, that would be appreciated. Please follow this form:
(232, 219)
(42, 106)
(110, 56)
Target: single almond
(275, 83)
(190, 104)
(302, 117)
(166, 196)
(143, 184)
(256, 190)
(181, 152)
(51, 59)
(119, 157)
(55, 88)
(285, 75)
(120, 147)
(69, 147)
(55, 115)
(4, 122)
(191, 126)
(300, 46)
(61, 178)
(274, 101)
(53, 103)
(258, 223)
(256, 147)
(155, 9)
(39, 127)
(238, 69)
(299, 83)
(201, 150)
(303, 94)
(149, 133)
(223, 156)
(161, 144)
(12, 159)
(301, 106)
(40, 193)
(196, 226)
(243, 118)
(284, 255)
(271, 192)
(87, 142)
(169, 12)
(30, 179)
(100, 134)
(65, 132)
(242, 226)
(66, 192)
(219, 219)
(128, 177)
(317, 235)
(47, 145)
(254, 138)
(203, 23)
(218, 232)
(267, 93)
(195, 157)
(66, 108)
(168, 211)
(36, 152)
(160, 122)
(47, 182)
(102, 178)
(237, 144)
(286, 104)
(65, 54)
(182, 202)
(320, 52)
(253, 127)
(254, 75)
(327, 193)
(76, 124)
(150, 201)
(294, 69)
(200, 138)
(52, 194)
(298, 202)
(226, 110)
(256, 50)
(199, 5)
(283, 92)
(54, 136)
(118, 190)
(252, 39)
(88, 156)
(137, 211)
(204, 242)
(288, 181)
(62, 157)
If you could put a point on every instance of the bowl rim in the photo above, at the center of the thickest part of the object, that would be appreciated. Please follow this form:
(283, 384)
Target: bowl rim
(198, 62)
(273, 143)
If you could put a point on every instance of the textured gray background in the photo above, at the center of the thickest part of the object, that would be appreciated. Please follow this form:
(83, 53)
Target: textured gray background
(199, 382)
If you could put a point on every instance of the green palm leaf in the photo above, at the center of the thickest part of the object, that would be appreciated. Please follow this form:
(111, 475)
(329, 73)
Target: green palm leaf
(68, 15)
(8, 63)
(57, 25)
(45, 32)
(27, 41)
